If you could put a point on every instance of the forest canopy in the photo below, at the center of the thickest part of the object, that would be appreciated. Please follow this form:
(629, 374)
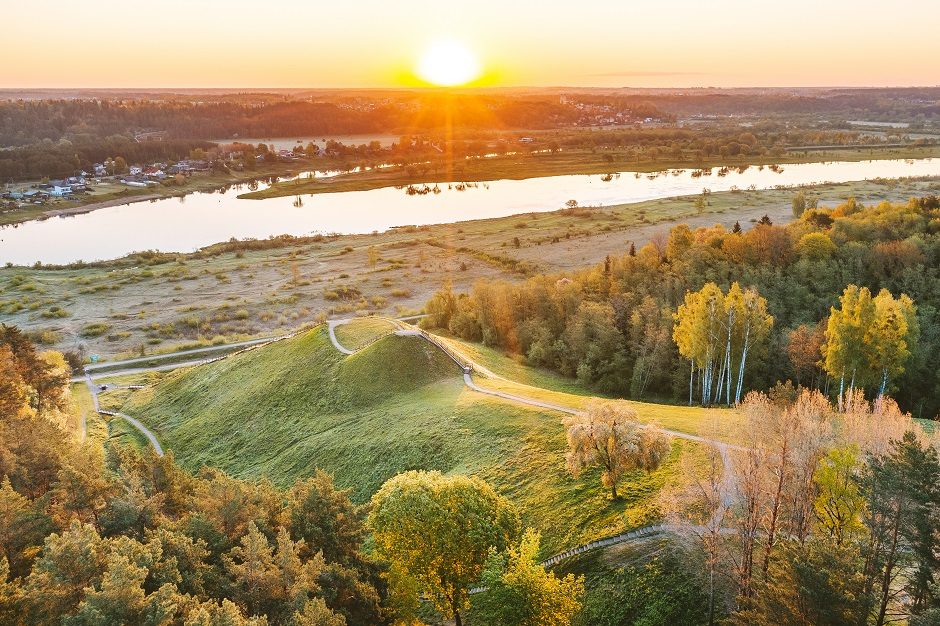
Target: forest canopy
(612, 326)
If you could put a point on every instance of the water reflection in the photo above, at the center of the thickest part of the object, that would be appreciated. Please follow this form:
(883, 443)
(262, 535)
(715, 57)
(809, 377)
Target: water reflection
(186, 223)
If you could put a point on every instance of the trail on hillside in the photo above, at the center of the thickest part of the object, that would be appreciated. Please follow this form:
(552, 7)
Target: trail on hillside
(726, 487)
(93, 390)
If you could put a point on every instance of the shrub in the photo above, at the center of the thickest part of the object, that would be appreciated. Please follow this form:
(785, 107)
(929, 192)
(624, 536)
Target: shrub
(95, 330)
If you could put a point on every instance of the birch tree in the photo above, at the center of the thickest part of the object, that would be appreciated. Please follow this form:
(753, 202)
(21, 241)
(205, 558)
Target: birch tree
(869, 339)
(717, 332)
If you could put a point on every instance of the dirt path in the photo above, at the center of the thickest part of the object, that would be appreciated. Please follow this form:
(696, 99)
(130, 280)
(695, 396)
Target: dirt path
(330, 326)
(93, 390)
(726, 488)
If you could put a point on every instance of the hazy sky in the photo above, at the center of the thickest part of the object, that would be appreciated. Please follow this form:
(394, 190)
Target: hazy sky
(375, 43)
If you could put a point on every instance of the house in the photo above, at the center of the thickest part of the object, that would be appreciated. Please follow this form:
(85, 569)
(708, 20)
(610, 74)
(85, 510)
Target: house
(100, 170)
(135, 170)
(57, 188)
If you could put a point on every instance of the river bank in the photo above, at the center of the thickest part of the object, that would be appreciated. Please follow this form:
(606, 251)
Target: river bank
(568, 162)
(237, 291)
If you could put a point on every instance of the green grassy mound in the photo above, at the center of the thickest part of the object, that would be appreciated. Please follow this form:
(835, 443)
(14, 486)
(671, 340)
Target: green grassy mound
(360, 332)
(285, 410)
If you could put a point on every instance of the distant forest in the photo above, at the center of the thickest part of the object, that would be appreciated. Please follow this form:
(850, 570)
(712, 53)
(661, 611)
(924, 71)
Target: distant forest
(57, 137)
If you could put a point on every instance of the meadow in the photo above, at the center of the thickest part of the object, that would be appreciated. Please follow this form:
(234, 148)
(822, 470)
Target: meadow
(287, 409)
(155, 303)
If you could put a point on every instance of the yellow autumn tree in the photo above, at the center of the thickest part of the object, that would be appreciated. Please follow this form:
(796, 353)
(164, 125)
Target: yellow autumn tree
(607, 435)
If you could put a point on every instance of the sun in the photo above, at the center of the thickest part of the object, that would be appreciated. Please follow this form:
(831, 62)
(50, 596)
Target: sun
(448, 63)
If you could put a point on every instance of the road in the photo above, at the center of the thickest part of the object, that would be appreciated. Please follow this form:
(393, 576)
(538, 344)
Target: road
(156, 357)
(330, 326)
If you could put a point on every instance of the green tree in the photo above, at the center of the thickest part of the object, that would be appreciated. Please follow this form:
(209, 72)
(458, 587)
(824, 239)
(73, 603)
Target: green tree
(799, 204)
(869, 339)
(903, 493)
(717, 332)
(438, 531)
(518, 591)
(816, 584)
(839, 504)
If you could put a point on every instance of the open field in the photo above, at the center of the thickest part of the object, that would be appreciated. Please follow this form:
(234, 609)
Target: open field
(517, 167)
(126, 307)
(298, 405)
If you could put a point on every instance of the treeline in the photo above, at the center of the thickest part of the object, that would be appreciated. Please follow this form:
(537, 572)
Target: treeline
(830, 517)
(33, 121)
(66, 157)
(846, 103)
(124, 537)
(613, 325)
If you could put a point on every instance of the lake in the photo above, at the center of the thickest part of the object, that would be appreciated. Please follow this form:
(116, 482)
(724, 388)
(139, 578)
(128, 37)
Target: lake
(188, 223)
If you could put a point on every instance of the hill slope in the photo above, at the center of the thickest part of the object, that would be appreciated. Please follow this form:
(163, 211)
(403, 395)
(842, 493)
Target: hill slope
(297, 405)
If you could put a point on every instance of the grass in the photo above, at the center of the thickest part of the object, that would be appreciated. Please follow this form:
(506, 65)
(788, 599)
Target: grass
(575, 161)
(96, 430)
(360, 332)
(177, 301)
(298, 405)
(121, 433)
(547, 386)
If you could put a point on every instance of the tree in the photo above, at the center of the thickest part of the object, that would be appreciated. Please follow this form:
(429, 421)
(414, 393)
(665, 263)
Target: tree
(799, 204)
(816, 247)
(869, 339)
(440, 308)
(607, 435)
(903, 493)
(120, 166)
(804, 346)
(839, 503)
(815, 584)
(518, 591)
(438, 531)
(717, 333)
(120, 597)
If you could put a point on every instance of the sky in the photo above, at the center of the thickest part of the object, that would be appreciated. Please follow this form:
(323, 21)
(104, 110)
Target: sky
(378, 43)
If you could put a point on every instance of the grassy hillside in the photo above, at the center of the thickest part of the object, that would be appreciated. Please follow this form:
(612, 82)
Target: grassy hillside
(287, 409)
(362, 331)
(512, 376)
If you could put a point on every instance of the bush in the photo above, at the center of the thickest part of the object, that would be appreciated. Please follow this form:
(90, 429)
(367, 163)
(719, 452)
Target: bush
(95, 330)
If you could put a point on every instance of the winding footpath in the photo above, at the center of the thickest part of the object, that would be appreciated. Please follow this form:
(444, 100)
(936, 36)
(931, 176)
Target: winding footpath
(726, 489)
(93, 390)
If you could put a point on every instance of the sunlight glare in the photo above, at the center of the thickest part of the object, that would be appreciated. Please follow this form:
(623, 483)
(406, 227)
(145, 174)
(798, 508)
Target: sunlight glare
(448, 63)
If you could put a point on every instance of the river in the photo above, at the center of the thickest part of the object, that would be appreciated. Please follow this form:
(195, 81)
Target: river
(188, 223)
